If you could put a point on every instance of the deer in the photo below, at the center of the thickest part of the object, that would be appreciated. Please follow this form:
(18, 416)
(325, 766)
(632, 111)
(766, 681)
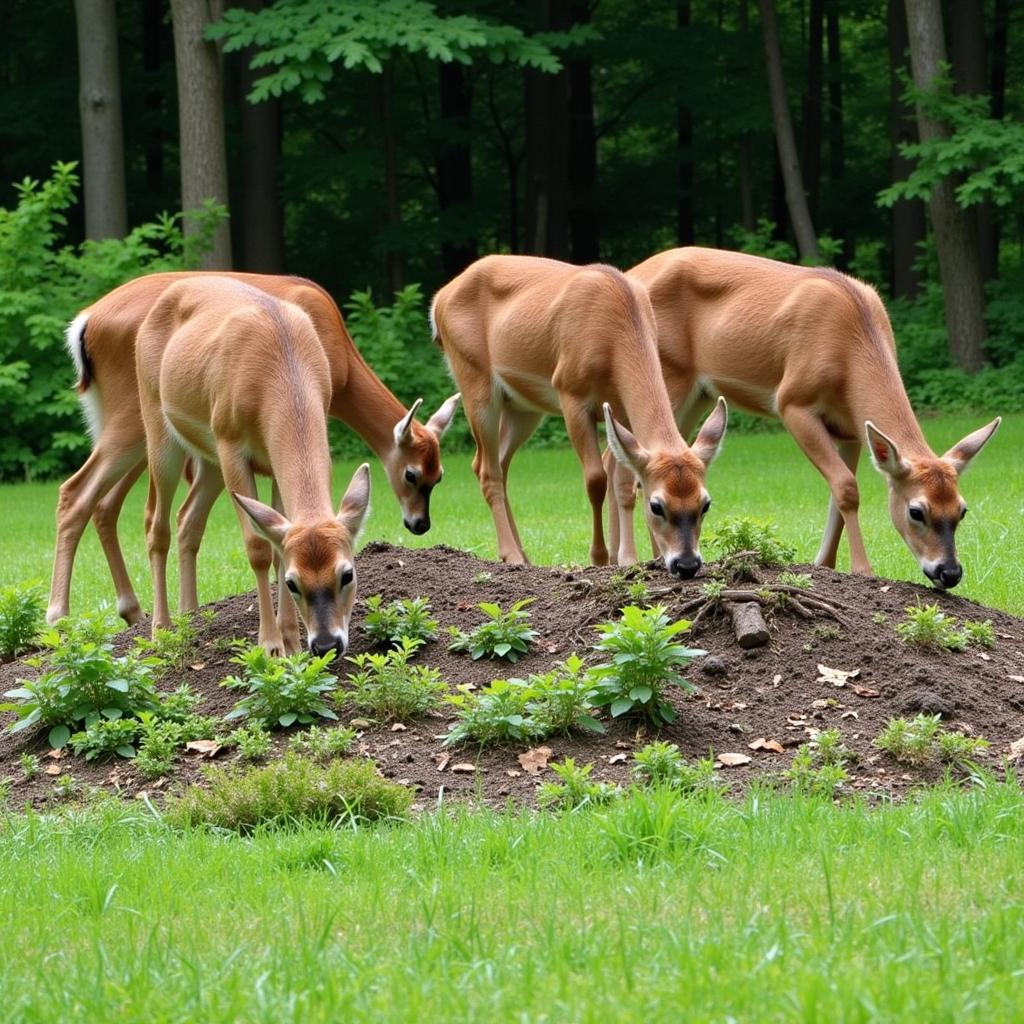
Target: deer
(101, 342)
(239, 380)
(525, 336)
(814, 348)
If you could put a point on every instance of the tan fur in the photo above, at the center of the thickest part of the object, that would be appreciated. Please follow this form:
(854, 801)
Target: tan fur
(109, 392)
(815, 348)
(525, 336)
(240, 380)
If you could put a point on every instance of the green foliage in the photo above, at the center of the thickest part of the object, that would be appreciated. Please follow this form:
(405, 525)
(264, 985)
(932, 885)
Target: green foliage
(931, 629)
(179, 704)
(743, 535)
(289, 791)
(179, 645)
(498, 713)
(44, 282)
(819, 766)
(282, 691)
(574, 789)
(562, 699)
(105, 737)
(321, 744)
(65, 786)
(29, 765)
(22, 611)
(505, 634)
(252, 741)
(644, 659)
(800, 580)
(388, 624)
(661, 764)
(157, 746)
(924, 740)
(82, 680)
(391, 689)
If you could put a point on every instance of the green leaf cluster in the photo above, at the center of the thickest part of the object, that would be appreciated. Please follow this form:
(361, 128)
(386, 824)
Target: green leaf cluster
(391, 689)
(21, 618)
(391, 623)
(504, 635)
(924, 740)
(931, 629)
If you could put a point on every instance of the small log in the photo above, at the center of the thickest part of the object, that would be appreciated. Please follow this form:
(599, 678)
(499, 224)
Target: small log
(748, 624)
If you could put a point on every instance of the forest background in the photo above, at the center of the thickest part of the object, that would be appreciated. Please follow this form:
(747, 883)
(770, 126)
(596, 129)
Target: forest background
(380, 147)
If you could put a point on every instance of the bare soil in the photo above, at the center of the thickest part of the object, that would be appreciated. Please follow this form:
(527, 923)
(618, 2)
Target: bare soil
(745, 698)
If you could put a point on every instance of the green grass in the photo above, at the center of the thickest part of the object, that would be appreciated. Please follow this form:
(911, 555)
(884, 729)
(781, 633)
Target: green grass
(659, 909)
(762, 475)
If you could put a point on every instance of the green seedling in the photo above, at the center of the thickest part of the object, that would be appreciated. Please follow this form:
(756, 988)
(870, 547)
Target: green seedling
(388, 624)
(505, 635)
(391, 689)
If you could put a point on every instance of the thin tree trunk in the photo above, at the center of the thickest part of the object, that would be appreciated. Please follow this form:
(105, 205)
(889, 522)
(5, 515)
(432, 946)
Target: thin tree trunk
(584, 222)
(385, 88)
(812, 107)
(789, 162)
(152, 47)
(745, 159)
(1000, 38)
(204, 173)
(455, 169)
(837, 136)
(957, 247)
(908, 227)
(99, 104)
(684, 146)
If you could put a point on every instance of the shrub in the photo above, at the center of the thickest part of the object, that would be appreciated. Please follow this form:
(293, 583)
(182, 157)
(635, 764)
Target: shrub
(391, 689)
(29, 765)
(644, 659)
(743, 535)
(83, 680)
(661, 764)
(931, 629)
(157, 747)
(105, 737)
(282, 691)
(292, 790)
(252, 741)
(575, 789)
(819, 766)
(179, 645)
(388, 624)
(179, 704)
(562, 700)
(924, 740)
(322, 744)
(496, 714)
(22, 611)
(504, 635)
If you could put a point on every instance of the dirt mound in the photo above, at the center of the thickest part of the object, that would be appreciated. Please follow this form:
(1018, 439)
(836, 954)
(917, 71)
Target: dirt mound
(775, 692)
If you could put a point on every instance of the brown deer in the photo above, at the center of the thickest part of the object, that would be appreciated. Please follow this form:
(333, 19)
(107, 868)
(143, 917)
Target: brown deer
(101, 340)
(239, 380)
(814, 348)
(526, 336)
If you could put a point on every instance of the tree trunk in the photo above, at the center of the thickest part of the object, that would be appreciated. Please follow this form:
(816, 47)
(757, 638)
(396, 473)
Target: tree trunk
(837, 137)
(908, 228)
(455, 169)
(204, 173)
(746, 139)
(152, 52)
(812, 107)
(584, 222)
(385, 89)
(1000, 37)
(684, 145)
(796, 200)
(99, 104)
(957, 247)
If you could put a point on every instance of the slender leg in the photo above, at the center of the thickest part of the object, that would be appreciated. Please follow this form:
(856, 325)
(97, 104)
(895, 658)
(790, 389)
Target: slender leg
(516, 427)
(166, 459)
(104, 517)
(206, 485)
(814, 439)
(582, 432)
(849, 452)
(287, 616)
(623, 505)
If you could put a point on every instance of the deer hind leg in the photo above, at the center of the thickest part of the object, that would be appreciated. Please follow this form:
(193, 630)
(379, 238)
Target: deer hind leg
(166, 459)
(108, 462)
(238, 477)
(810, 433)
(207, 483)
(516, 427)
(287, 615)
(849, 452)
(105, 517)
(582, 432)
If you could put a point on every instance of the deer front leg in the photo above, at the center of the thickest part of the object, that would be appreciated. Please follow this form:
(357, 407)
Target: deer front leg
(579, 424)
(192, 518)
(849, 452)
(287, 615)
(810, 433)
(621, 540)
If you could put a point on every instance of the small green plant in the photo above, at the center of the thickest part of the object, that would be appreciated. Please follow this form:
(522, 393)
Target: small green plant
(879, 618)
(644, 659)
(931, 629)
(826, 631)
(627, 584)
(661, 764)
(819, 766)
(800, 580)
(562, 700)
(29, 765)
(504, 635)
(157, 746)
(65, 786)
(483, 577)
(5, 794)
(498, 713)
(322, 744)
(282, 691)
(391, 689)
(105, 737)
(388, 624)
(980, 634)
(713, 590)
(924, 740)
(179, 645)
(293, 789)
(82, 680)
(574, 789)
(21, 618)
(252, 741)
(743, 536)
(179, 704)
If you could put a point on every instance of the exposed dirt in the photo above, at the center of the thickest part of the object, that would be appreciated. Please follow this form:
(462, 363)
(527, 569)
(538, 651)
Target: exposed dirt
(773, 693)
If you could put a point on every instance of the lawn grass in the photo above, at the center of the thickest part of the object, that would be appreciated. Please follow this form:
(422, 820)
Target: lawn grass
(778, 908)
(762, 475)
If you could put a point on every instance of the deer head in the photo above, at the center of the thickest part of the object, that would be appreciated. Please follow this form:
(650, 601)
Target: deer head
(317, 563)
(924, 499)
(673, 485)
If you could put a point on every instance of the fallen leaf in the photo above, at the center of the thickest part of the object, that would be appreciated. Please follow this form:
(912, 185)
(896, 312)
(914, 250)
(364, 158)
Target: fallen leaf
(850, 714)
(738, 727)
(985, 657)
(56, 754)
(209, 748)
(836, 676)
(616, 758)
(1016, 750)
(442, 761)
(761, 743)
(730, 760)
(821, 704)
(53, 769)
(1017, 679)
(198, 666)
(886, 588)
(512, 773)
(465, 767)
(359, 723)
(398, 727)
(866, 691)
(535, 760)
(621, 745)
(776, 679)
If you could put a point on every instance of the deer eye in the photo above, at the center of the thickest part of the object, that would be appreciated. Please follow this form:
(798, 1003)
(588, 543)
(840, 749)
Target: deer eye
(657, 509)
(706, 508)
(963, 511)
(292, 586)
(916, 513)
(410, 476)
(347, 575)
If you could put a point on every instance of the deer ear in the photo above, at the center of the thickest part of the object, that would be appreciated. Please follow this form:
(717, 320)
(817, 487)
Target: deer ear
(884, 453)
(403, 428)
(960, 455)
(442, 419)
(268, 522)
(625, 447)
(356, 503)
(708, 442)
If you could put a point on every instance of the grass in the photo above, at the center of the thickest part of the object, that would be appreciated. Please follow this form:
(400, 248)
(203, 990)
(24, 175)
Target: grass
(781, 908)
(554, 517)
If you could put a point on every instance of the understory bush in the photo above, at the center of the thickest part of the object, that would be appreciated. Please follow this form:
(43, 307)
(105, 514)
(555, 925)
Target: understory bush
(661, 764)
(388, 624)
(819, 765)
(924, 740)
(22, 611)
(391, 689)
(574, 789)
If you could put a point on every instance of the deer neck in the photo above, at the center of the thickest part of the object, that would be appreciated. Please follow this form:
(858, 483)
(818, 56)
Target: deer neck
(300, 460)
(364, 403)
(881, 398)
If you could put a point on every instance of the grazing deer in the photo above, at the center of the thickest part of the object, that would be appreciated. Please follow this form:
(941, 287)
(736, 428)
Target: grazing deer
(814, 348)
(101, 340)
(526, 336)
(239, 380)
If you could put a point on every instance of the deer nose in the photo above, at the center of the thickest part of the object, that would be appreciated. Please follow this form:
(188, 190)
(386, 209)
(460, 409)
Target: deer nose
(324, 642)
(419, 525)
(685, 566)
(950, 575)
